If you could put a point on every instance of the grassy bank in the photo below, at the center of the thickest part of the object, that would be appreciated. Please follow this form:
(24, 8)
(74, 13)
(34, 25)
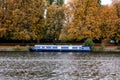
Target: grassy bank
(107, 48)
(14, 48)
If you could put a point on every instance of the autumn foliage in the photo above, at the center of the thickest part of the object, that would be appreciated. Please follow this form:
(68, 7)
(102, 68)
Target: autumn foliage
(75, 21)
(90, 20)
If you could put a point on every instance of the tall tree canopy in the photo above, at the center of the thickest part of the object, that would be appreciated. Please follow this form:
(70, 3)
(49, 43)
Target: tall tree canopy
(55, 21)
(22, 19)
(109, 19)
(43, 19)
(84, 20)
(116, 3)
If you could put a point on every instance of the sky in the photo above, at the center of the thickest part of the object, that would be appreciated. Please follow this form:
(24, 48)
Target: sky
(104, 2)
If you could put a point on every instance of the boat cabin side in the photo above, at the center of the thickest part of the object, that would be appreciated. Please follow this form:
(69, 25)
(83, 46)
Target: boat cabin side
(62, 47)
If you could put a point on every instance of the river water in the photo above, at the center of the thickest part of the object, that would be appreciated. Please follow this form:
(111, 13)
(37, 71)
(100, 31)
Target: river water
(59, 66)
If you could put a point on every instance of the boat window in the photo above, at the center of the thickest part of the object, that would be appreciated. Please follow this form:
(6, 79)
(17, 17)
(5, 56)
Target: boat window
(48, 47)
(74, 47)
(36, 46)
(64, 47)
(55, 47)
(43, 47)
(80, 47)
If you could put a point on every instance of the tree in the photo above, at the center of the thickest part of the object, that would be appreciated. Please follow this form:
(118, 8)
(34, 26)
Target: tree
(84, 20)
(50, 1)
(117, 31)
(23, 19)
(58, 2)
(5, 18)
(108, 22)
(99, 2)
(116, 3)
(38, 21)
(55, 20)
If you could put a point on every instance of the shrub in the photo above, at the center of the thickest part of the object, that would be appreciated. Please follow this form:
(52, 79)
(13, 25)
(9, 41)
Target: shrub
(102, 47)
(118, 48)
(89, 43)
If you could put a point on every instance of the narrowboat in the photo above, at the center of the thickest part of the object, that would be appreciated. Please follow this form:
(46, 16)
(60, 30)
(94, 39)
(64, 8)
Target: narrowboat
(59, 48)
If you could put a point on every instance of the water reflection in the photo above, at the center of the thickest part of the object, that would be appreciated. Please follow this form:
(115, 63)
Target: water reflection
(59, 66)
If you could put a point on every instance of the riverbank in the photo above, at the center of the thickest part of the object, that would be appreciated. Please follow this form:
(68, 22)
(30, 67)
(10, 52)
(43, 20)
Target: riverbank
(26, 48)
(14, 48)
(107, 48)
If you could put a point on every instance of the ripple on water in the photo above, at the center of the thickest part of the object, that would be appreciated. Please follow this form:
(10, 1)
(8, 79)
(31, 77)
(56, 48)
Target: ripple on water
(61, 66)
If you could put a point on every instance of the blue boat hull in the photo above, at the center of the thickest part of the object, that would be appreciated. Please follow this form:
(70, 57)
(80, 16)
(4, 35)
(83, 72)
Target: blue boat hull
(56, 50)
(59, 50)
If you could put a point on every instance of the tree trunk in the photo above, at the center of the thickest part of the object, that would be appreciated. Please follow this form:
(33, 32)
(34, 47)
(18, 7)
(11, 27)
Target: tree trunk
(105, 41)
(38, 41)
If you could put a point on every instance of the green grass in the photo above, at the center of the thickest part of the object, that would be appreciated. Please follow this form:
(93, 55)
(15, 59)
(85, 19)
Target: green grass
(118, 48)
(20, 48)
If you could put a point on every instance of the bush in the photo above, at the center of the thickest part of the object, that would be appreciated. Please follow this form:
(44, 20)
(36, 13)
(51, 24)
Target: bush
(102, 47)
(89, 43)
(118, 48)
